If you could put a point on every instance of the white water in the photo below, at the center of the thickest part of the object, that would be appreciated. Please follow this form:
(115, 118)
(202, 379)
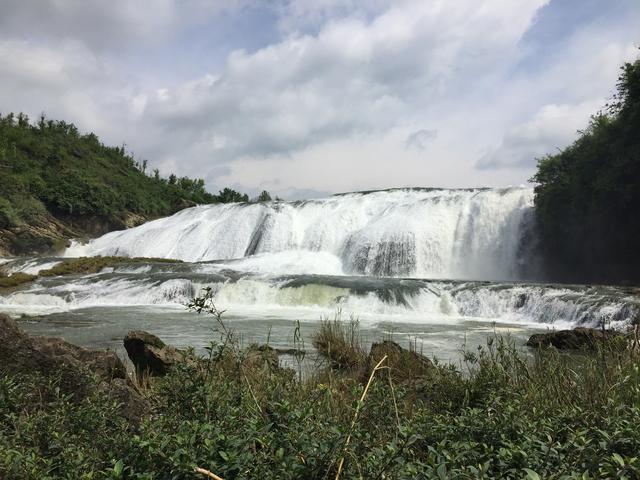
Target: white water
(304, 296)
(466, 234)
(385, 257)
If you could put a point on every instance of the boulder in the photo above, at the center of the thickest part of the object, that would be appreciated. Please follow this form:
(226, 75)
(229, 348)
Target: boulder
(20, 353)
(258, 357)
(404, 364)
(576, 339)
(78, 371)
(149, 354)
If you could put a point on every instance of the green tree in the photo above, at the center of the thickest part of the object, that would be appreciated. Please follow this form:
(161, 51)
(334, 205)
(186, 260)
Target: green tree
(587, 196)
(229, 195)
(264, 196)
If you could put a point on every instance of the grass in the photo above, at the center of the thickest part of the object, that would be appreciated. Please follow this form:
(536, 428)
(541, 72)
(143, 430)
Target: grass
(77, 266)
(505, 416)
(15, 279)
(340, 343)
(87, 265)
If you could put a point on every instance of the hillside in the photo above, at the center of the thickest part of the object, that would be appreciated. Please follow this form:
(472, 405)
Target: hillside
(588, 195)
(56, 183)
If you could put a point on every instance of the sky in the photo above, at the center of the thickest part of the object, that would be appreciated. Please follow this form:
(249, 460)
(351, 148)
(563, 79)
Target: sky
(311, 97)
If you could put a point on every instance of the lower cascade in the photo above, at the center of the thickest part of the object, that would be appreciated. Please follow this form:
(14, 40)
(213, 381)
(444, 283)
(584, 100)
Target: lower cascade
(414, 301)
(422, 233)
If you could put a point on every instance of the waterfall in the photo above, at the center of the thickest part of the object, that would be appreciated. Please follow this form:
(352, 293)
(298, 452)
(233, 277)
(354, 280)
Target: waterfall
(422, 233)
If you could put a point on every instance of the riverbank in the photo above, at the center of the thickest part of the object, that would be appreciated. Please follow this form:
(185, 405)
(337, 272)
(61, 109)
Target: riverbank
(383, 413)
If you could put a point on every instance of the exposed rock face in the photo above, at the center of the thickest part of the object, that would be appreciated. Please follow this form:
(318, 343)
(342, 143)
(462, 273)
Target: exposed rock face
(576, 339)
(74, 366)
(52, 232)
(149, 354)
(404, 364)
(49, 234)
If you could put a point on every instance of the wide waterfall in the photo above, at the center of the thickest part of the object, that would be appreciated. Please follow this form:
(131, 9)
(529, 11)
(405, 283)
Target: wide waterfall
(423, 233)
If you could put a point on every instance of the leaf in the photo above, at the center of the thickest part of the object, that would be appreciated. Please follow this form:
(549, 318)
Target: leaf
(118, 468)
(531, 475)
(442, 471)
(618, 459)
(224, 455)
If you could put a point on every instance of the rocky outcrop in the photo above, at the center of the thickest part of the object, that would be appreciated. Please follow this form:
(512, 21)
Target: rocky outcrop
(576, 339)
(403, 364)
(149, 354)
(259, 357)
(48, 234)
(51, 232)
(77, 370)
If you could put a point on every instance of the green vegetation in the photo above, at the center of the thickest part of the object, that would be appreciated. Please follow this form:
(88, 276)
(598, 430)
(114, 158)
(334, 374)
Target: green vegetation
(50, 166)
(86, 265)
(507, 416)
(56, 182)
(77, 266)
(231, 196)
(15, 279)
(588, 195)
(264, 196)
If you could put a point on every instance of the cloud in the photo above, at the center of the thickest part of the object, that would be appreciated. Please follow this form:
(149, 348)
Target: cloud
(552, 128)
(336, 97)
(101, 25)
(354, 77)
(420, 138)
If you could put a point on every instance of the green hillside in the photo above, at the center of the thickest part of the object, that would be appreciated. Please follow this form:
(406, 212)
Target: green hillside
(56, 183)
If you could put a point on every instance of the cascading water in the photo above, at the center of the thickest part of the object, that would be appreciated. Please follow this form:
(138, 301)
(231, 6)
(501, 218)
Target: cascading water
(424, 233)
(407, 300)
(427, 264)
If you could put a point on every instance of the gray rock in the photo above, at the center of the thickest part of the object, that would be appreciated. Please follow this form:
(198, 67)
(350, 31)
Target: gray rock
(80, 371)
(404, 364)
(149, 354)
(576, 339)
(261, 357)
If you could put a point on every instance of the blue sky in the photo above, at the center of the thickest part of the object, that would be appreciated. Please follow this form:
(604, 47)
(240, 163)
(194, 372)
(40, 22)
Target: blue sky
(309, 97)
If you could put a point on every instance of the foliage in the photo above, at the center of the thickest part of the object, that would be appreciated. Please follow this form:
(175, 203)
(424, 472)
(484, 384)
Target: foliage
(340, 343)
(86, 265)
(264, 196)
(50, 167)
(588, 195)
(507, 416)
(231, 196)
(15, 279)
(76, 266)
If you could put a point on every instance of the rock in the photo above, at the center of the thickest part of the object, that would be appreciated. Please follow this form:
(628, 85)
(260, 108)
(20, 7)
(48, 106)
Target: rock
(104, 363)
(259, 357)
(149, 354)
(404, 364)
(20, 353)
(79, 371)
(132, 405)
(576, 339)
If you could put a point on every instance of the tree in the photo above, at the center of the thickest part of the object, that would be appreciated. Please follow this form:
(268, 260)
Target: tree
(587, 196)
(229, 195)
(264, 196)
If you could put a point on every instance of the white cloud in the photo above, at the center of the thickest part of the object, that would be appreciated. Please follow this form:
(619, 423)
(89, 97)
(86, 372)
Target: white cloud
(350, 97)
(354, 77)
(552, 128)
